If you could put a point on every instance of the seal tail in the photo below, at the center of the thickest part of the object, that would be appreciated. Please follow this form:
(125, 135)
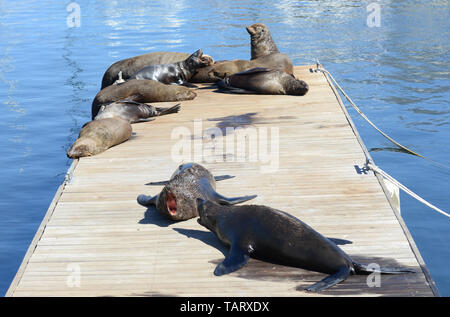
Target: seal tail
(363, 269)
(164, 111)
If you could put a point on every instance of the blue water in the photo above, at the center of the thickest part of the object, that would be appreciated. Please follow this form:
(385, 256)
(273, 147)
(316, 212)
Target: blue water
(398, 73)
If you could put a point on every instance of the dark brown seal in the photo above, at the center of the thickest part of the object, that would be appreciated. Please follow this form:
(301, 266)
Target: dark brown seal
(174, 73)
(177, 200)
(278, 237)
(263, 81)
(143, 91)
(261, 41)
(133, 111)
(99, 135)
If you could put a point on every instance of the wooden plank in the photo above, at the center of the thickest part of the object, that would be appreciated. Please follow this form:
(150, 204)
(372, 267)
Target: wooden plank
(96, 232)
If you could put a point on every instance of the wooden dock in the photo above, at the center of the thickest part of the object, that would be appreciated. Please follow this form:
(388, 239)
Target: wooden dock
(95, 240)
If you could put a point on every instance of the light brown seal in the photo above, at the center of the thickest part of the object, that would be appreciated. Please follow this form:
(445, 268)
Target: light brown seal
(276, 61)
(141, 90)
(99, 135)
(264, 81)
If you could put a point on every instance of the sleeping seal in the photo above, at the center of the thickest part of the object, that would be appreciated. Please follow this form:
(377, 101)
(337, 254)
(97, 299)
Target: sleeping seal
(133, 111)
(263, 81)
(141, 91)
(175, 73)
(99, 135)
(278, 237)
(177, 200)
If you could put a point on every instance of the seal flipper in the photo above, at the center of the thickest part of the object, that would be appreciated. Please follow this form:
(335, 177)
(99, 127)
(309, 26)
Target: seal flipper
(146, 201)
(255, 70)
(144, 120)
(188, 85)
(330, 280)
(235, 260)
(223, 86)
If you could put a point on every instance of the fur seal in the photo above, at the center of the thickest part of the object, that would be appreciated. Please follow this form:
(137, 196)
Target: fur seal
(130, 66)
(143, 90)
(133, 111)
(264, 81)
(278, 237)
(99, 135)
(206, 74)
(261, 41)
(175, 73)
(177, 200)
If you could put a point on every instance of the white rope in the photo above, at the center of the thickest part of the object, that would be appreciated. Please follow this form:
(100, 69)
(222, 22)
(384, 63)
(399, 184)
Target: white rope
(319, 68)
(376, 169)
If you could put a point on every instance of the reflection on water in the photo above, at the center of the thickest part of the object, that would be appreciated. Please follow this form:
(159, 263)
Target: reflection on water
(397, 73)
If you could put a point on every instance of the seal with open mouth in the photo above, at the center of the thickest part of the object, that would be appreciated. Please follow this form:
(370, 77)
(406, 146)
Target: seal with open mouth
(263, 81)
(278, 237)
(178, 199)
(261, 41)
(129, 66)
